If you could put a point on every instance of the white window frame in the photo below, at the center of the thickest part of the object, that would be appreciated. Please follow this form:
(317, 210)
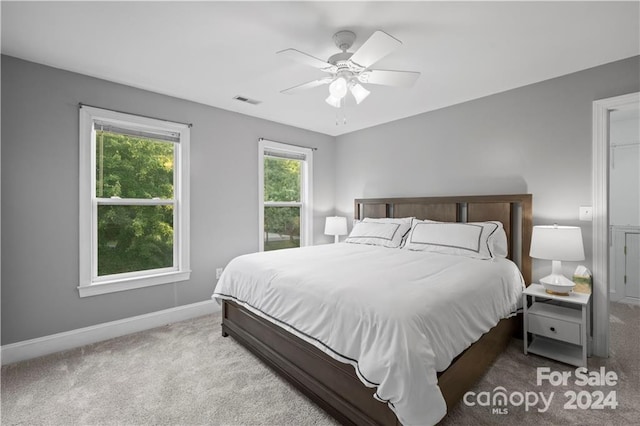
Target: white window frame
(306, 190)
(90, 283)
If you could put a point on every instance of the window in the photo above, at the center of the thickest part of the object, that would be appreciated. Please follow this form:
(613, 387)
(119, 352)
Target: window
(285, 195)
(134, 201)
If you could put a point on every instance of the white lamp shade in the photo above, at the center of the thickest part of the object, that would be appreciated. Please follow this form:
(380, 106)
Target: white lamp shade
(557, 243)
(335, 225)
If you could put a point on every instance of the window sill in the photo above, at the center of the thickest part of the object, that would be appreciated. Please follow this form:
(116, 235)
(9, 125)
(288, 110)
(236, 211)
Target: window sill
(132, 283)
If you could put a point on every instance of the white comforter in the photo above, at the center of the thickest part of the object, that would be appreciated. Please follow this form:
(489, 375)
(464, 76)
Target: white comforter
(397, 316)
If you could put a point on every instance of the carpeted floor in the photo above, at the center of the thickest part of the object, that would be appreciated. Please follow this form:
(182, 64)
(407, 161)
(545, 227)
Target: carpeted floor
(187, 374)
(517, 372)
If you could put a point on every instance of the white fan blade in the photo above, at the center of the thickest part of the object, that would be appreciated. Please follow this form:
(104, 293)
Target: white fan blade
(308, 85)
(389, 78)
(305, 58)
(379, 45)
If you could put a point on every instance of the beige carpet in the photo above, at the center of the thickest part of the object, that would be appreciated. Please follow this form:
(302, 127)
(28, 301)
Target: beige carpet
(187, 374)
(516, 372)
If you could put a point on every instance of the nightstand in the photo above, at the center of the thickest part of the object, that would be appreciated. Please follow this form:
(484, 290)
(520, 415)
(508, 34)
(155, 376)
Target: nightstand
(558, 331)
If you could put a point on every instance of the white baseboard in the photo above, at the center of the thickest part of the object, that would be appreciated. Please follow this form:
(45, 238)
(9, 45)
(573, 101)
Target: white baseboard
(629, 301)
(33, 348)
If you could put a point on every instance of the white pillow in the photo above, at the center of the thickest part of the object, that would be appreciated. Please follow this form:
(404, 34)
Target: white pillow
(480, 240)
(401, 220)
(380, 232)
(498, 241)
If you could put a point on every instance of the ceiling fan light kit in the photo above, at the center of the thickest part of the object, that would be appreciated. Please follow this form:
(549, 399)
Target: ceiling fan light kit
(349, 69)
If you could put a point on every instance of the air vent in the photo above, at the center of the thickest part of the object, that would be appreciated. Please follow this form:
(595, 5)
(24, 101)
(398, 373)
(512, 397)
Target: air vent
(246, 100)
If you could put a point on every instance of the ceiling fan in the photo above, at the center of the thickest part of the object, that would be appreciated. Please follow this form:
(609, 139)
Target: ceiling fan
(347, 70)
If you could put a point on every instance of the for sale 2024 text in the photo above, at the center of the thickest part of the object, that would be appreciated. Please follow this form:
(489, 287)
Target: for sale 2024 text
(583, 399)
(598, 397)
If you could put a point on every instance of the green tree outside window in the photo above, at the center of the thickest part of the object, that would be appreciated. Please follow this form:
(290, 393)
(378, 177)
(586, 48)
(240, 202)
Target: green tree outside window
(282, 182)
(134, 237)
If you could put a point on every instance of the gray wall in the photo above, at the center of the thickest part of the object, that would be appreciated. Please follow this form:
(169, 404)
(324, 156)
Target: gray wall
(40, 196)
(535, 139)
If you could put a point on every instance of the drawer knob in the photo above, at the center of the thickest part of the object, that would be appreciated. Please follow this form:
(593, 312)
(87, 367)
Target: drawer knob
(552, 329)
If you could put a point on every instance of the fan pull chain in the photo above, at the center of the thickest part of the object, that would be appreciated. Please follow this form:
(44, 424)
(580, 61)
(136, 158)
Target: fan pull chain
(341, 120)
(342, 109)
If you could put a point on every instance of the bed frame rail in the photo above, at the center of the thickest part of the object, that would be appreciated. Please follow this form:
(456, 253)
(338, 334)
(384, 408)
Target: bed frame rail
(329, 383)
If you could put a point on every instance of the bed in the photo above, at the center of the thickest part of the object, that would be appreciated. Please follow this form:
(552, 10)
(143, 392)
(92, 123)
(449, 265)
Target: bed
(285, 324)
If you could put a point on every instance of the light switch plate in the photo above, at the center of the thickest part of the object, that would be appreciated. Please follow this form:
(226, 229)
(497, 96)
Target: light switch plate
(586, 213)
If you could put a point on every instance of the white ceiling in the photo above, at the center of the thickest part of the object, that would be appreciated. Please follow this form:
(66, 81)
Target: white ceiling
(209, 52)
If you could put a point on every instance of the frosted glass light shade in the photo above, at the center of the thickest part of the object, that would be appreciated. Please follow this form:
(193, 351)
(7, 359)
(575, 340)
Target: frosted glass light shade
(338, 88)
(334, 102)
(336, 226)
(359, 92)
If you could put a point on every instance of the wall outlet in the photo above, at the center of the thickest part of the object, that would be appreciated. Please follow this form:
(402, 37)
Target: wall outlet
(586, 213)
(218, 273)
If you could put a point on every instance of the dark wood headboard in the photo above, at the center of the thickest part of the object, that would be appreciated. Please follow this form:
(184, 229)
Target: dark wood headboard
(514, 211)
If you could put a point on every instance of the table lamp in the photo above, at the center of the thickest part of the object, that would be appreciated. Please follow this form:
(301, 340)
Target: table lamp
(557, 243)
(336, 226)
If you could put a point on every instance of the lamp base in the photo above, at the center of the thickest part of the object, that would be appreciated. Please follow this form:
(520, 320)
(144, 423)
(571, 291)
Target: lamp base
(557, 279)
(555, 293)
(557, 284)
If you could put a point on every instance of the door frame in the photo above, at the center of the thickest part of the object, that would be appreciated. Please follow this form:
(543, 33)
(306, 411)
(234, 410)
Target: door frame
(600, 192)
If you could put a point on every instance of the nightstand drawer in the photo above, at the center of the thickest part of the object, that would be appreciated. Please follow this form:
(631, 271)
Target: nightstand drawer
(555, 328)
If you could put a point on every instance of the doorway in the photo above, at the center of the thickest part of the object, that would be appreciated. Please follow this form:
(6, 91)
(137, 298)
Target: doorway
(600, 189)
(624, 205)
